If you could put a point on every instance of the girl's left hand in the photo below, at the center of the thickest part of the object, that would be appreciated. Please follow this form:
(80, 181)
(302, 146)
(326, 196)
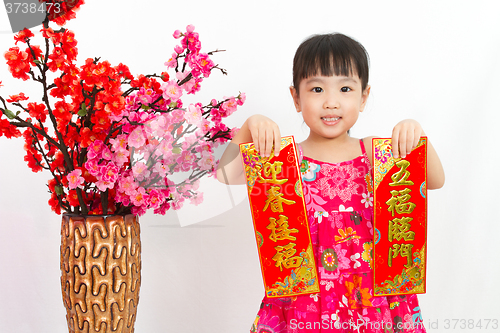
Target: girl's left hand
(405, 136)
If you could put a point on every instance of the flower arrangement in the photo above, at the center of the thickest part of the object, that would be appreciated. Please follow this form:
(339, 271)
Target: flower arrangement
(112, 141)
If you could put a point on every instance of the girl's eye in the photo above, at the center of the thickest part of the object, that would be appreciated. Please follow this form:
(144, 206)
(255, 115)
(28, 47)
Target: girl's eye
(345, 89)
(317, 89)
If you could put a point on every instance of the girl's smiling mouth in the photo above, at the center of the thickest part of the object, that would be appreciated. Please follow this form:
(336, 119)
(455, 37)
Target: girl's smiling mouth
(330, 120)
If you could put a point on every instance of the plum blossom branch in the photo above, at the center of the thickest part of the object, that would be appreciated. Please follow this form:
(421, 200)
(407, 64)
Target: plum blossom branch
(113, 141)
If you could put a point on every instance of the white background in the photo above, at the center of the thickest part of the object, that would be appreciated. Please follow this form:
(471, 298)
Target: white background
(435, 61)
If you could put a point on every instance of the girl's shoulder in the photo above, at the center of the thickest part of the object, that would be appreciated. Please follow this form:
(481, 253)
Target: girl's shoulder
(368, 147)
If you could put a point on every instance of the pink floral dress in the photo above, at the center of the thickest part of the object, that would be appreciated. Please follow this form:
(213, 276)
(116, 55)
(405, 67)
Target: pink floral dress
(339, 202)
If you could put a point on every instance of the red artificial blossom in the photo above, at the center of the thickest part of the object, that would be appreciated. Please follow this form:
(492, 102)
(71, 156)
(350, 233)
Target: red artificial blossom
(111, 140)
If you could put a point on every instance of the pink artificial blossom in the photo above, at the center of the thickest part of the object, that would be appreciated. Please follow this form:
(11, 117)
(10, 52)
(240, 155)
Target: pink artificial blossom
(190, 141)
(144, 117)
(177, 204)
(241, 98)
(127, 185)
(206, 162)
(120, 142)
(177, 34)
(178, 49)
(194, 186)
(216, 115)
(190, 28)
(92, 167)
(139, 197)
(198, 199)
(146, 96)
(229, 106)
(195, 87)
(218, 127)
(172, 62)
(177, 116)
(156, 198)
(109, 172)
(205, 126)
(131, 103)
(164, 149)
(192, 42)
(186, 160)
(200, 64)
(140, 171)
(159, 125)
(171, 90)
(74, 179)
(137, 138)
(103, 185)
(107, 176)
(123, 198)
(193, 115)
(161, 169)
(94, 149)
(106, 153)
(188, 85)
(139, 211)
(163, 208)
(135, 115)
(204, 147)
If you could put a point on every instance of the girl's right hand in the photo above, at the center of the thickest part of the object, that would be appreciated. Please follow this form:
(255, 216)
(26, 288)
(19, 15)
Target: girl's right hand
(265, 134)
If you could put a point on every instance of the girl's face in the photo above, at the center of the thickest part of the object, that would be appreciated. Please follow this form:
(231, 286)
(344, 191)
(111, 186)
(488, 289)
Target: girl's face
(330, 105)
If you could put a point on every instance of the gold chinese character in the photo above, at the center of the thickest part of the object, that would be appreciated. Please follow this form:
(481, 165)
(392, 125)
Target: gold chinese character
(279, 229)
(284, 256)
(275, 198)
(398, 202)
(400, 229)
(272, 170)
(401, 177)
(403, 250)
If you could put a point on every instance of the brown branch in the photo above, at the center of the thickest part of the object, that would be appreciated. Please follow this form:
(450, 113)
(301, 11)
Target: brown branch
(212, 52)
(104, 202)
(186, 79)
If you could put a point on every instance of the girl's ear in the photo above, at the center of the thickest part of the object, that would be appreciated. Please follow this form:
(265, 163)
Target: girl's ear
(295, 97)
(364, 98)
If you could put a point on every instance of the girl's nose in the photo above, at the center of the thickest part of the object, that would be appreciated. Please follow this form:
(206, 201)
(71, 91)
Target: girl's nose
(331, 101)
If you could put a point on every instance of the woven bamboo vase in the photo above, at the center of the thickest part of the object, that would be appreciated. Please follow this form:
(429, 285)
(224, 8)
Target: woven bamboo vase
(100, 272)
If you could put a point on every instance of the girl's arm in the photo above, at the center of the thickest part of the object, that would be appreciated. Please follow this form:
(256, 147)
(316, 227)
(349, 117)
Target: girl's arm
(260, 130)
(406, 135)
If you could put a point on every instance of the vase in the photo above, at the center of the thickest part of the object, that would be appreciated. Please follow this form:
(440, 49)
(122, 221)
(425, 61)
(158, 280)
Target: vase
(100, 272)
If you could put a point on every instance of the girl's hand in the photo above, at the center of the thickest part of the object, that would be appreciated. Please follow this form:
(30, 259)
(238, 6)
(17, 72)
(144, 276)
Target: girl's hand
(265, 133)
(405, 137)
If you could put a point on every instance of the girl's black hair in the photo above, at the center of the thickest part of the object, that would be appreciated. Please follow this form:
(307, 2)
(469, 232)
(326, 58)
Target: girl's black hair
(329, 54)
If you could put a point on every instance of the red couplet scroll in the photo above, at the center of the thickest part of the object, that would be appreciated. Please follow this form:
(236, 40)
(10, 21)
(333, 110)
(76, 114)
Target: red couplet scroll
(280, 220)
(400, 219)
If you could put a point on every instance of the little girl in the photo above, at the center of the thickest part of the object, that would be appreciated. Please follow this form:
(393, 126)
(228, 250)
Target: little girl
(330, 89)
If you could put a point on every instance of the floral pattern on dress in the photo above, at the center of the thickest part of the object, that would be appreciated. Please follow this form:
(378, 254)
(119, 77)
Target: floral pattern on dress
(339, 204)
(368, 253)
(339, 182)
(308, 170)
(332, 262)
